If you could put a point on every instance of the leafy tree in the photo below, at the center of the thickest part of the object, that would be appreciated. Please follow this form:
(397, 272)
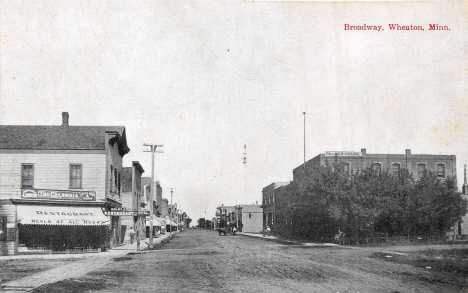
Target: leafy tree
(326, 199)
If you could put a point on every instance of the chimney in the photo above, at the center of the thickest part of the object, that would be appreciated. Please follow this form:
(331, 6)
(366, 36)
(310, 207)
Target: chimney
(65, 118)
(408, 152)
(363, 151)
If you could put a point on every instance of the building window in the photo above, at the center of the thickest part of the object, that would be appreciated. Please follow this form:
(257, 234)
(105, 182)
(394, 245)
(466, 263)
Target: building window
(396, 170)
(421, 170)
(75, 175)
(376, 168)
(3, 228)
(111, 178)
(116, 180)
(27, 175)
(440, 170)
(250, 215)
(119, 182)
(345, 168)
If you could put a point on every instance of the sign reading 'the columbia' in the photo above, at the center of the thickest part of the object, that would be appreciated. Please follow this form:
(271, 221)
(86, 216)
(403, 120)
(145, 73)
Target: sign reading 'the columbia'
(58, 194)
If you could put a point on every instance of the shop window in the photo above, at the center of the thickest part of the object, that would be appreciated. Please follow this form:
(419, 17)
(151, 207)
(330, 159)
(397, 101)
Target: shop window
(421, 170)
(27, 175)
(345, 168)
(396, 170)
(440, 170)
(75, 175)
(376, 168)
(3, 228)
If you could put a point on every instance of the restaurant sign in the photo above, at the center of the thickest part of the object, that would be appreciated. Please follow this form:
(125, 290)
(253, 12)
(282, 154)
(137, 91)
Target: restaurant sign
(343, 154)
(58, 194)
(124, 212)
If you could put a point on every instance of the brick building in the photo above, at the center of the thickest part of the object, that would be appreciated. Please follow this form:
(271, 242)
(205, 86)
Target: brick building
(354, 162)
(443, 166)
(269, 205)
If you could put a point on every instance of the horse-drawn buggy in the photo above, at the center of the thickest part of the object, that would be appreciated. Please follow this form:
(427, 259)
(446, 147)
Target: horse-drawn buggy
(227, 230)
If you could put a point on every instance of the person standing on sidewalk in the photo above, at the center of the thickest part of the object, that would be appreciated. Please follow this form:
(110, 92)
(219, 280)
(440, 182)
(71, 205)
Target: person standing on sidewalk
(132, 235)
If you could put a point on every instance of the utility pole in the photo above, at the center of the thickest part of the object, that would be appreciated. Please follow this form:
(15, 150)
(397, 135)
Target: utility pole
(304, 139)
(153, 148)
(137, 208)
(170, 218)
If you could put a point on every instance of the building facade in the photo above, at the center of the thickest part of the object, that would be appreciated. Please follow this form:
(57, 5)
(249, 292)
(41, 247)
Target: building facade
(269, 205)
(443, 166)
(56, 184)
(250, 218)
(133, 202)
(226, 215)
(460, 229)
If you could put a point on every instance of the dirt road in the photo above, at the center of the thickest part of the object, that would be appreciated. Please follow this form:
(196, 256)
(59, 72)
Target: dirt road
(202, 261)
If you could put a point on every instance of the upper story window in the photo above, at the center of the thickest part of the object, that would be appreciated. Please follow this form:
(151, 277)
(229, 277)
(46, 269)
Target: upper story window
(421, 169)
(111, 178)
(27, 175)
(441, 170)
(345, 168)
(396, 170)
(376, 168)
(116, 181)
(75, 175)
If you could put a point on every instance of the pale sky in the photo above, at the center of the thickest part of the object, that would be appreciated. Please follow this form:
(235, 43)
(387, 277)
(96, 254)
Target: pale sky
(205, 78)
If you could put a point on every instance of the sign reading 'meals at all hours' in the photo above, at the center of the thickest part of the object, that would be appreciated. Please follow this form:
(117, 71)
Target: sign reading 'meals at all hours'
(344, 154)
(58, 194)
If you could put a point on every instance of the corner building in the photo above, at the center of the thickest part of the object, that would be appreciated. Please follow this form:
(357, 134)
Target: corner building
(57, 183)
(443, 166)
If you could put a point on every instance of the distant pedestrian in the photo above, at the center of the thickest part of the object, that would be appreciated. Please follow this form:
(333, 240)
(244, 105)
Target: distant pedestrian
(268, 230)
(132, 235)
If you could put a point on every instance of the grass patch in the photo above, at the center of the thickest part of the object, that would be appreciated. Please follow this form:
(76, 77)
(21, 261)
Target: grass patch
(71, 286)
(452, 261)
(123, 258)
(14, 269)
(117, 274)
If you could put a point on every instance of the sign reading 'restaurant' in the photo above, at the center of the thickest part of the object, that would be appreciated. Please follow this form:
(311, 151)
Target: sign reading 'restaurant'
(58, 194)
(344, 154)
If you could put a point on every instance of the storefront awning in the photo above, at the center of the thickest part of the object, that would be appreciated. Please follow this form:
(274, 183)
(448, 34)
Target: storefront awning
(156, 222)
(61, 215)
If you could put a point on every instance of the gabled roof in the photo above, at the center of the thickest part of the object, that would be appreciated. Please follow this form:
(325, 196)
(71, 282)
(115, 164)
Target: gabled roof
(26, 137)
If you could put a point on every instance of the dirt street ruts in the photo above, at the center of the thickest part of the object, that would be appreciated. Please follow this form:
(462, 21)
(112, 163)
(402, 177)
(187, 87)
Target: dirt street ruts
(202, 261)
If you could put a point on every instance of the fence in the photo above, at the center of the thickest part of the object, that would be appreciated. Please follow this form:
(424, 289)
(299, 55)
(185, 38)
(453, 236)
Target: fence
(402, 240)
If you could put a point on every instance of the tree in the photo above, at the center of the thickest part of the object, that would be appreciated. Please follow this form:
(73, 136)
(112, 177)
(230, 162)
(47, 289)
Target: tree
(188, 221)
(326, 199)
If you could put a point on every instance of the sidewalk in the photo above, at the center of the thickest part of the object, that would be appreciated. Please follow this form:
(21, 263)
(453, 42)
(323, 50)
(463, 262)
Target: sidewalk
(284, 241)
(91, 261)
(114, 251)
